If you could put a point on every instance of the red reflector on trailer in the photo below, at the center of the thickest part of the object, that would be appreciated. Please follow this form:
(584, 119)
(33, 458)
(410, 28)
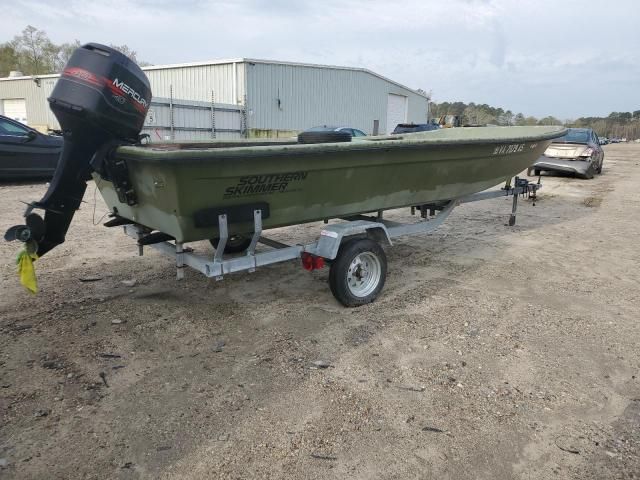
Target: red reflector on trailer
(311, 262)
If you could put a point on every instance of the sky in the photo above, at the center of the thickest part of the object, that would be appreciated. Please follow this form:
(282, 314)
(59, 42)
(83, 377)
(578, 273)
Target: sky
(539, 57)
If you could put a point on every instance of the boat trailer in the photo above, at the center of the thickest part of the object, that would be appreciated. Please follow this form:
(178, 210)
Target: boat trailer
(352, 248)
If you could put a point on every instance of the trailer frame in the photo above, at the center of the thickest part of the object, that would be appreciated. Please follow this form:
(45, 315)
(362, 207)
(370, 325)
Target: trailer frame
(328, 244)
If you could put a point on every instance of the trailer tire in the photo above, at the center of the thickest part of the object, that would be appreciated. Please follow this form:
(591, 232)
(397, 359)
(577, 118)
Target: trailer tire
(358, 273)
(324, 137)
(235, 243)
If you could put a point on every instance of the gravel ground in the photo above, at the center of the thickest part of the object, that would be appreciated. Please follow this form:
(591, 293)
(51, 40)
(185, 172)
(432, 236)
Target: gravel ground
(493, 353)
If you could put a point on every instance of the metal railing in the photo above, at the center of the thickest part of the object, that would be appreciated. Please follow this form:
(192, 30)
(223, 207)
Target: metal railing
(171, 119)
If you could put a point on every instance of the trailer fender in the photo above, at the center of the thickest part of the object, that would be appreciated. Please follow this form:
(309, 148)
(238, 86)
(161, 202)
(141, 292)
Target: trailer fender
(333, 235)
(380, 235)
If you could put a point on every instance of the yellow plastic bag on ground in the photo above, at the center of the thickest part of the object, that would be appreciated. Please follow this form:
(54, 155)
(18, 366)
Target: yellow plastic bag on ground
(26, 271)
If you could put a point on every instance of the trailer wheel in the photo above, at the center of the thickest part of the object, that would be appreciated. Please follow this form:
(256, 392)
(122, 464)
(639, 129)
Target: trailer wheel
(235, 243)
(358, 273)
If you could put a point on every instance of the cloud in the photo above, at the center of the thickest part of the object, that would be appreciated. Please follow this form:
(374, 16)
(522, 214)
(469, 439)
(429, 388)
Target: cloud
(562, 58)
(499, 47)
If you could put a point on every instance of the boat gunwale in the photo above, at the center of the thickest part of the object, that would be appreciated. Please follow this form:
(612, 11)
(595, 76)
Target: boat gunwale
(199, 155)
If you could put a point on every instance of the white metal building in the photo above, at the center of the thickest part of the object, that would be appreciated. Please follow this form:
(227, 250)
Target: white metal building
(271, 98)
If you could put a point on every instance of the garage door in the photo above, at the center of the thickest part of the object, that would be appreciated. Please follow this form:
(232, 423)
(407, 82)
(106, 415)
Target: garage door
(396, 111)
(15, 108)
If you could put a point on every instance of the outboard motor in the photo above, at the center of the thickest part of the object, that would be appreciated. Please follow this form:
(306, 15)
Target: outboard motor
(101, 101)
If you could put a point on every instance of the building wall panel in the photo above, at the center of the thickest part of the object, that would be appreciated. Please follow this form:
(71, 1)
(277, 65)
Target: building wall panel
(295, 97)
(197, 82)
(38, 114)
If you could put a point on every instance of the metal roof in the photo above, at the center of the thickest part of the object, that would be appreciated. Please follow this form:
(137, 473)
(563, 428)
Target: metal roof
(279, 62)
(241, 60)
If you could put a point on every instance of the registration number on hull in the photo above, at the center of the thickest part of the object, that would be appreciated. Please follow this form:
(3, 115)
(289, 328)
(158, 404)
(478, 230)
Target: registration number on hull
(506, 149)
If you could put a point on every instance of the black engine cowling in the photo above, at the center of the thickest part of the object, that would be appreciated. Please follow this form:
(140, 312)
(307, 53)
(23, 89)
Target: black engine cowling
(104, 87)
(101, 99)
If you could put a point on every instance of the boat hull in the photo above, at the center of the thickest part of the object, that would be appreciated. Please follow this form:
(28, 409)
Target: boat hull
(181, 192)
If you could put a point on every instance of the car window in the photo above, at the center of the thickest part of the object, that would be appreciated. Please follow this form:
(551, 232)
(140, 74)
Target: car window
(358, 133)
(10, 128)
(574, 136)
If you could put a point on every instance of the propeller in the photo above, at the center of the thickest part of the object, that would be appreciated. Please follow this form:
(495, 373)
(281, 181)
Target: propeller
(34, 229)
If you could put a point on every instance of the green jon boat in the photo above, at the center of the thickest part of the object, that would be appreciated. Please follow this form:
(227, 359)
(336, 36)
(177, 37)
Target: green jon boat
(181, 189)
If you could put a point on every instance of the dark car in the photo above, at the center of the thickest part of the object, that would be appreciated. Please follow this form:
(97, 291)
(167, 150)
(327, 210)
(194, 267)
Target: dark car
(354, 132)
(327, 133)
(25, 152)
(578, 152)
(414, 127)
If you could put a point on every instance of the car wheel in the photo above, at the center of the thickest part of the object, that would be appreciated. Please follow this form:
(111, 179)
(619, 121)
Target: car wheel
(599, 170)
(324, 137)
(588, 175)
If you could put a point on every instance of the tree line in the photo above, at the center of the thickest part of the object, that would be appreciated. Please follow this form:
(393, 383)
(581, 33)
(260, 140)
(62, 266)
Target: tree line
(33, 53)
(616, 124)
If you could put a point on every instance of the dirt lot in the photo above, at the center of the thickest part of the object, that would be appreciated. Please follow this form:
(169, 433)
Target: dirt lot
(493, 353)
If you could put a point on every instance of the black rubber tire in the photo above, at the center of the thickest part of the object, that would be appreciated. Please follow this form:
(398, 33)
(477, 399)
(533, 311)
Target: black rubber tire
(599, 169)
(591, 172)
(324, 137)
(339, 270)
(235, 243)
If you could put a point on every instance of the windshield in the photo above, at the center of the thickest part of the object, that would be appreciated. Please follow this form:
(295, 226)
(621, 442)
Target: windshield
(574, 136)
(9, 128)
